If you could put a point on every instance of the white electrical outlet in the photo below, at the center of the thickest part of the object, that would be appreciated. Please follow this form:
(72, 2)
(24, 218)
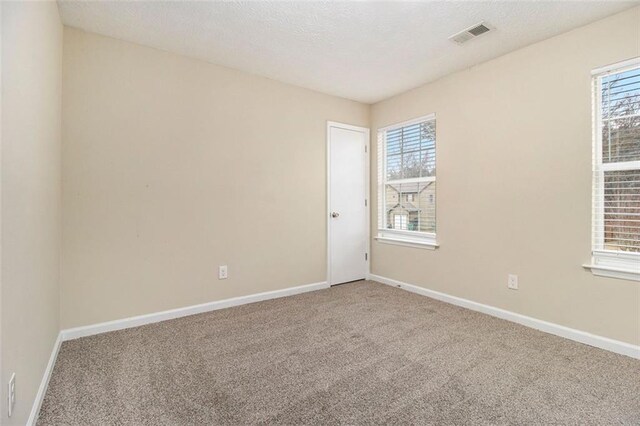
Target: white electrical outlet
(512, 282)
(222, 272)
(11, 394)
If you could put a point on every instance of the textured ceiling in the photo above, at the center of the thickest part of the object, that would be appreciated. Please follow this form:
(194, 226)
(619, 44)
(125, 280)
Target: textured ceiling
(366, 51)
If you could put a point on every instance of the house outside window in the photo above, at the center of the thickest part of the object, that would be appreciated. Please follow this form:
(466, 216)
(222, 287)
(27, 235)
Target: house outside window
(407, 183)
(616, 171)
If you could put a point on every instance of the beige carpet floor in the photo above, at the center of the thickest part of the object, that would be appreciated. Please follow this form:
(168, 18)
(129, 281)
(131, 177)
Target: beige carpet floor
(361, 353)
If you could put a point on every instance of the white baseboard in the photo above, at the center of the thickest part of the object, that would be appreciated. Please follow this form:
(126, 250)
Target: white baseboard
(558, 330)
(89, 330)
(42, 390)
(548, 327)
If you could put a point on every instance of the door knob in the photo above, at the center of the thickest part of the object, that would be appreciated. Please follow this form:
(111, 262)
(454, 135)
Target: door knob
(334, 214)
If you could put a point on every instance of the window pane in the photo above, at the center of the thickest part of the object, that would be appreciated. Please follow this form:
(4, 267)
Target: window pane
(394, 165)
(622, 210)
(411, 206)
(429, 148)
(412, 165)
(621, 139)
(394, 142)
(621, 94)
(621, 116)
(411, 151)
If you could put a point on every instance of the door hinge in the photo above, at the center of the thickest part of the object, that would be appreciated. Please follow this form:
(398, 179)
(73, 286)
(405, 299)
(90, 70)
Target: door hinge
(365, 148)
(365, 202)
(366, 256)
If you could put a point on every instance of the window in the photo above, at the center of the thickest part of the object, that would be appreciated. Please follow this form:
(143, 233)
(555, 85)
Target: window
(400, 221)
(407, 183)
(616, 171)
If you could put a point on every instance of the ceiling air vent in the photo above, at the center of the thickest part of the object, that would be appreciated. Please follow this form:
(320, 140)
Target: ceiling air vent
(470, 33)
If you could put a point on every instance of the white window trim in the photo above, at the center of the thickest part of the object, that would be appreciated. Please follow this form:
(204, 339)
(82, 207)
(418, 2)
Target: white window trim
(424, 241)
(415, 239)
(613, 264)
(608, 263)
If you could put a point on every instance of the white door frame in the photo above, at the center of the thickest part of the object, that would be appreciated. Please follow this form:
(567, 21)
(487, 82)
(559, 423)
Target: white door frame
(367, 195)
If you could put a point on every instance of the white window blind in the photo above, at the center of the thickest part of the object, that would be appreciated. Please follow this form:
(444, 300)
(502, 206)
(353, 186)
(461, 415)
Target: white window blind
(616, 169)
(407, 182)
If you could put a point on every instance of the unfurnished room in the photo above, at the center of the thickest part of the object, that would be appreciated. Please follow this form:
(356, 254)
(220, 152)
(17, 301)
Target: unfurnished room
(319, 212)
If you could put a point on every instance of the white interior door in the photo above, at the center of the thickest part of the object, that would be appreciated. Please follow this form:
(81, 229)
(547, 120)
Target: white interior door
(348, 218)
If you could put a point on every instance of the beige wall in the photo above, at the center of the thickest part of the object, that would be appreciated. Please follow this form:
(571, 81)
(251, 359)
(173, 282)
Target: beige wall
(514, 183)
(173, 166)
(31, 97)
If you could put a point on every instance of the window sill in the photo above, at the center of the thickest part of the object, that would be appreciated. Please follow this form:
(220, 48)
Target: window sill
(408, 243)
(614, 272)
(622, 265)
